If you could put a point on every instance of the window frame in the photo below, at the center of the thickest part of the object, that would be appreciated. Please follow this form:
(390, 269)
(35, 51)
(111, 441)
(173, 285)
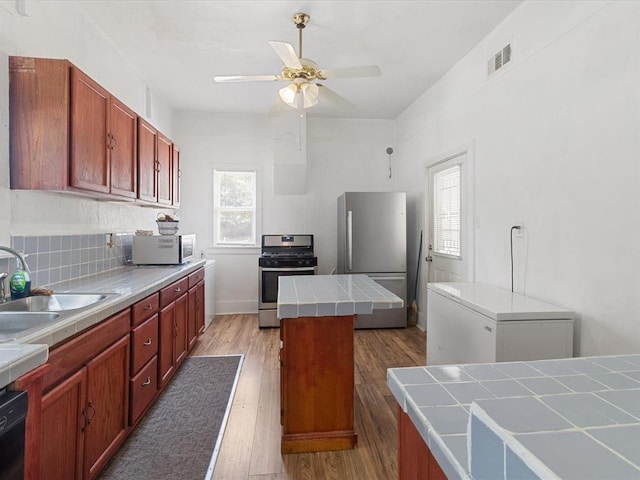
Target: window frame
(256, 210)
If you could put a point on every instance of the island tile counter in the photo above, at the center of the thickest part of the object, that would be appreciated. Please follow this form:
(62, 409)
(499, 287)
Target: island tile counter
(317, 318)
(332, 295)
(567, 418)
(124, 286)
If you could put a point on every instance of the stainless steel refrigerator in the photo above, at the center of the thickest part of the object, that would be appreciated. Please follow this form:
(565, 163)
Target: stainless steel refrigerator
(372, 239)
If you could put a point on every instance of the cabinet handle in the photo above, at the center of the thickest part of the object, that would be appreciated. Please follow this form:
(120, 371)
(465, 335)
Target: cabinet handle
(112, 141)
(177, 289)
(146, 382)
(175, 329)
(147, 307)
(90, 417)
(147, 343)
(157, 165)
(488, 329)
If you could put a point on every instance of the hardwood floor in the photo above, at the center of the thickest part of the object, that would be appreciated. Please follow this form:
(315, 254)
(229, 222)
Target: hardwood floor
(251, 444)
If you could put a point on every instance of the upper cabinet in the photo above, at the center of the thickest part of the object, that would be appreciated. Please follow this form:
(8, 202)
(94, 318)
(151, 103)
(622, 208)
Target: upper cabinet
(155, 164)
(67, 133)
(165, 165)
(175, 176)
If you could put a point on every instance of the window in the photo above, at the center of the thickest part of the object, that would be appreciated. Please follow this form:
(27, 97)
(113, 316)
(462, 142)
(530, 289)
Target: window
(446, 211)
(234, 207)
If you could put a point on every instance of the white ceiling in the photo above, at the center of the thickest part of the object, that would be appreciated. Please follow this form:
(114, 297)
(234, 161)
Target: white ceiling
(180, 45)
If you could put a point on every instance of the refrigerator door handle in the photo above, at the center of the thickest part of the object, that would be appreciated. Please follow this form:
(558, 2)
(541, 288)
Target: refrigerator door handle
(349, 240)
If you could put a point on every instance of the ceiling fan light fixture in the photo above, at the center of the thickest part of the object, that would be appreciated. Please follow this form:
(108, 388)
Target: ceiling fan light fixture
(310, 94)
(288, 95)
(298, 95)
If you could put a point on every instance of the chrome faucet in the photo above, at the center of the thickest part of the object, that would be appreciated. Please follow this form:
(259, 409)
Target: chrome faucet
(3, 275)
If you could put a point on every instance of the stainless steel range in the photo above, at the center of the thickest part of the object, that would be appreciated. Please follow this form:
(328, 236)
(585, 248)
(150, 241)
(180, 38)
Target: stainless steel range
(281, 255)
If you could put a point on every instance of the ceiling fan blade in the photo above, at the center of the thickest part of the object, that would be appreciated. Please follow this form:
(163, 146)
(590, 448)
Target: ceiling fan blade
(287, 54)
(246, 78)
(329, 95)
(350, 72)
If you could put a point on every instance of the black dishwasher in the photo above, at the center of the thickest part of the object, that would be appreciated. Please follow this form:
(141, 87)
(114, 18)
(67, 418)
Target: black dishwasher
(13, 411)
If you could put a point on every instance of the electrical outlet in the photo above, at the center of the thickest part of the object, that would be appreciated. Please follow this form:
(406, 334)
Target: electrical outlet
(520, 231)
(110, 240)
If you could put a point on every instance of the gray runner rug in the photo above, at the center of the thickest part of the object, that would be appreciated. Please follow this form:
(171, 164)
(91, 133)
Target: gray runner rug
(180, 435)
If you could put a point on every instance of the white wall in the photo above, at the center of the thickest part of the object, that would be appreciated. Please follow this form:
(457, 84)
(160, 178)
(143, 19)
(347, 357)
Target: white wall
(342, 155)
(557, 137)
(56, 29)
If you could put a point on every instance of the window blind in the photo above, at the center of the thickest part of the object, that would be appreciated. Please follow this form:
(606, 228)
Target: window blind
(446, 211)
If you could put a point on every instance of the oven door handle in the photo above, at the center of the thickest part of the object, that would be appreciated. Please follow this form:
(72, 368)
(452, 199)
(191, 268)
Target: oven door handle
(287, 269)
(350, 240)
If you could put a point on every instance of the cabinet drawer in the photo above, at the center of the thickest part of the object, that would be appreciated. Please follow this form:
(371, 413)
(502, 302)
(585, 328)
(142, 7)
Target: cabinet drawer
(143, 387)
(145, 308)
(144, 343)
(196, 277)
(173, 291)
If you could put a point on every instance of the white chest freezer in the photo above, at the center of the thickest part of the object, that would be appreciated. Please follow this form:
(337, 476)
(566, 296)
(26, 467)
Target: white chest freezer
(479, 323)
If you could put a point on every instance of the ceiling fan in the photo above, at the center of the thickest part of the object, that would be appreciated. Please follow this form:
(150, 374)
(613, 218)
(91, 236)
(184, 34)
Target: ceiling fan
(303, 75)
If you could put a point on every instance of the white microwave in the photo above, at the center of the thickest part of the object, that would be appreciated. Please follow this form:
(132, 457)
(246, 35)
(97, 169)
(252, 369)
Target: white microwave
(163, 249)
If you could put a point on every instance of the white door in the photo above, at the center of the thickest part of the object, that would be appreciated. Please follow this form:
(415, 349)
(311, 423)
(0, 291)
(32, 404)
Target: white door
(449, 208)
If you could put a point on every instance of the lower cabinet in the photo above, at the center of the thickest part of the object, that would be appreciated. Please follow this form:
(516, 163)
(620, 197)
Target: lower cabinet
(98, 385)
(174, 303)
(195, 321)
(84, 418)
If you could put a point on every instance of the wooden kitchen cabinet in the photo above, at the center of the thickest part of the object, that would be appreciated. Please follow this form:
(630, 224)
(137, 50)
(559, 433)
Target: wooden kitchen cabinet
(317, 384)
(165, 167)
(175, 176)
(106, 413)
(62, 435)
(195, 319)
(85, 407)
(173, 328)
(143, 386)
(147, 167)
(67, 132)
(155, 165)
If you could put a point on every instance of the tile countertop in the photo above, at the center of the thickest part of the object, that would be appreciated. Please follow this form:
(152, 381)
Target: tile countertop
(332, 295)
(567, 418)
(126, 285)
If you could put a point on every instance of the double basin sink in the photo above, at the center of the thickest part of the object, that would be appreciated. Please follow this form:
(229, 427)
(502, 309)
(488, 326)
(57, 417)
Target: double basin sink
(19, 318)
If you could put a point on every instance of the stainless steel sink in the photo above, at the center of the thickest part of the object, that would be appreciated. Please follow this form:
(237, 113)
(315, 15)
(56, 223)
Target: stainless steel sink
(52, 303)
(13, 324)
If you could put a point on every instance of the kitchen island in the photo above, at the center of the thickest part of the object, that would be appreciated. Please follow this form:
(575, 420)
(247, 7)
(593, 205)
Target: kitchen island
(566, 418)
(317, 317)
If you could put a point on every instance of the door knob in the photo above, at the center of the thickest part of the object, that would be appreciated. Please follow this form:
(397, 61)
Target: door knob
(428, 258)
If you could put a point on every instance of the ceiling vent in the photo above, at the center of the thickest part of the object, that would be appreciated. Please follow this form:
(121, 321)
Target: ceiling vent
(500, 59)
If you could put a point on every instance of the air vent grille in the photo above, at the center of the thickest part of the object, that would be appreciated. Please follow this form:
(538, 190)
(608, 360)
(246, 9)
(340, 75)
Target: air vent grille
(500, 59)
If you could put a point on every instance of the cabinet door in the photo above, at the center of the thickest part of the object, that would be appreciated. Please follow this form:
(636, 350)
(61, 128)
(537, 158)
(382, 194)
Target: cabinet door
(164, 165)
(175, 176)
(122, 141)
(200, 307)
(180, 319)
(192, 328)
(62, 429)
(107, 405)
(165, 352)
(147, 168)
(89, 162)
